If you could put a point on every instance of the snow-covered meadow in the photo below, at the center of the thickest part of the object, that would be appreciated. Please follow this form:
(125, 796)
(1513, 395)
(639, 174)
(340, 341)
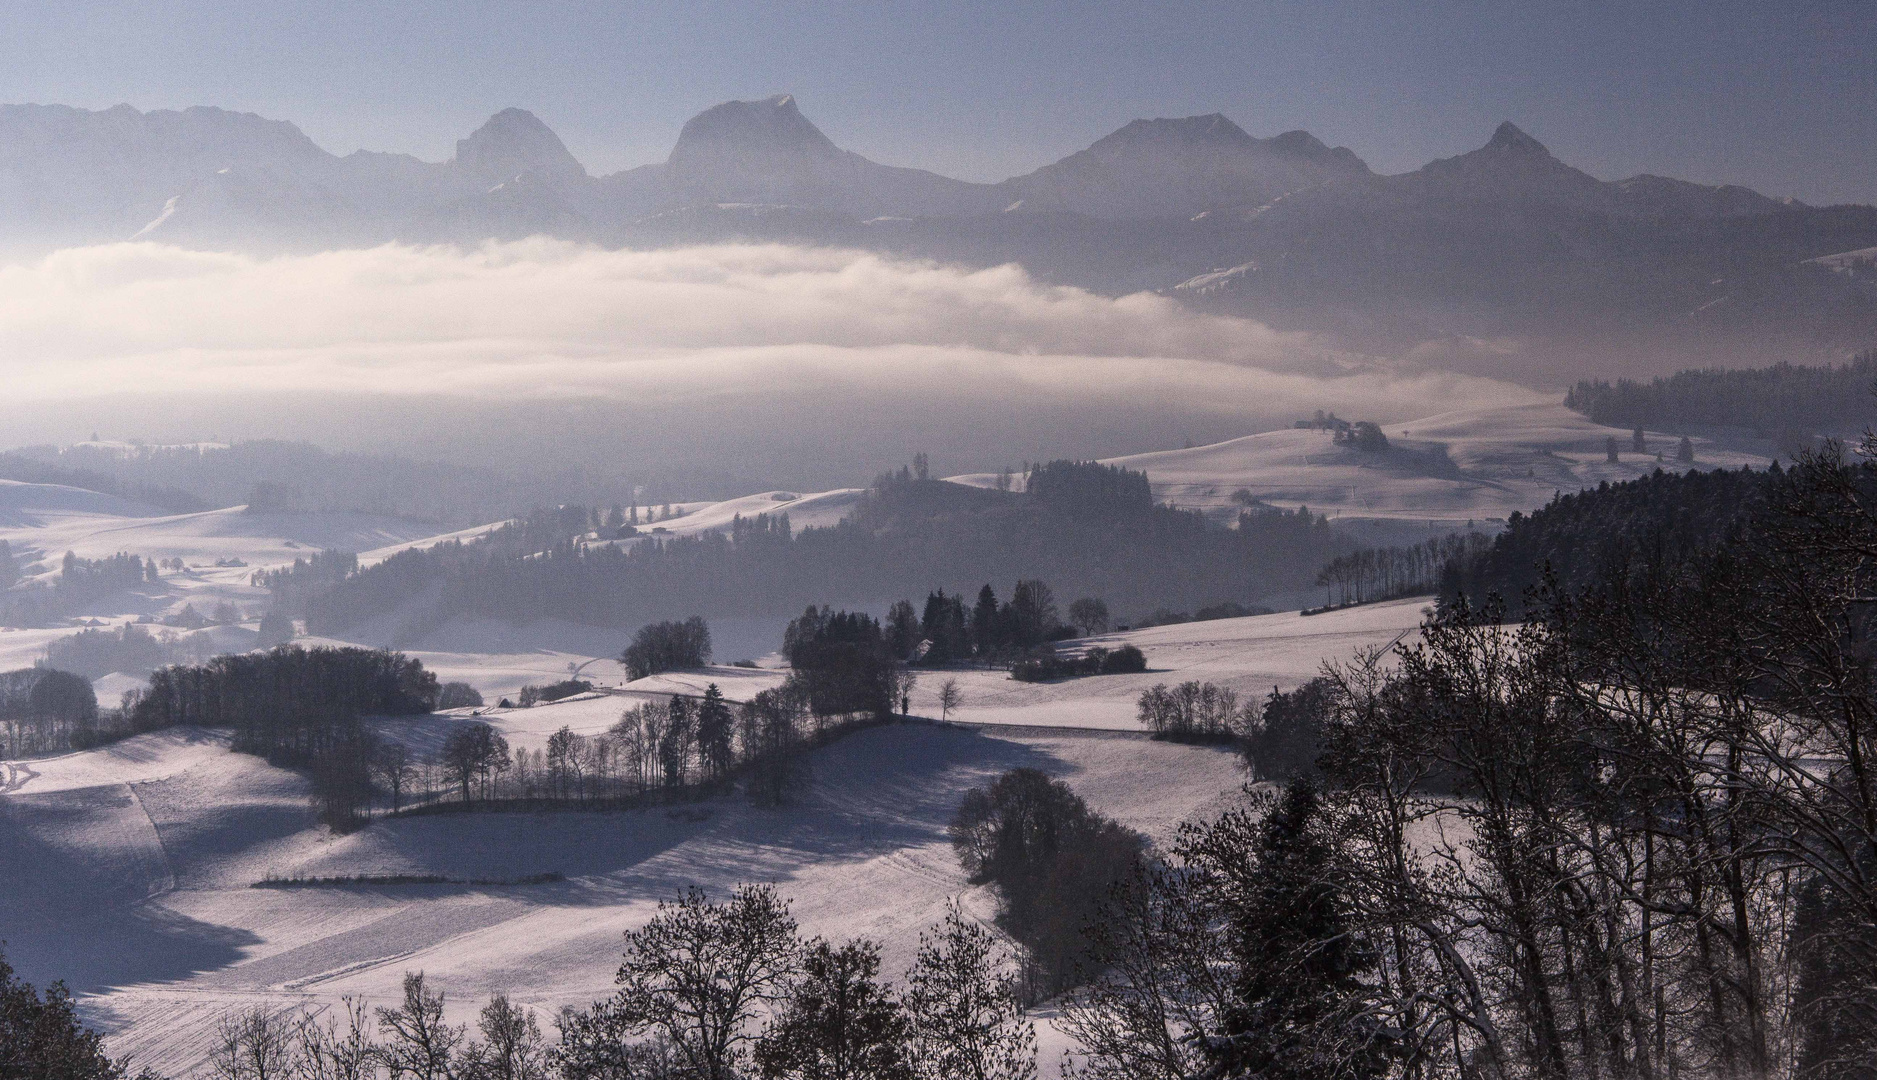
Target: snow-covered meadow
(129, 870)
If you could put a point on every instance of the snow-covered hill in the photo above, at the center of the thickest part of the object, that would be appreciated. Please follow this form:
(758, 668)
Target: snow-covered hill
(144, 855)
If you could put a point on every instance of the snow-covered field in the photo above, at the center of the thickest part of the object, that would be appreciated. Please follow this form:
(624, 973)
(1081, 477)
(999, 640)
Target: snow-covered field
(1441, 472)
(127, 870)
(141, 858)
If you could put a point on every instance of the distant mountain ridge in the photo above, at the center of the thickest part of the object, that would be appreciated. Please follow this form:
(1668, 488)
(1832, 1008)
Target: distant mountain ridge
(1443, 264)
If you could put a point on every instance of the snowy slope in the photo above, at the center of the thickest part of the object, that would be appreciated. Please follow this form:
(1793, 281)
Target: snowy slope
(1249, 655)
(44, 521)
(183, 829)
(1475, 465)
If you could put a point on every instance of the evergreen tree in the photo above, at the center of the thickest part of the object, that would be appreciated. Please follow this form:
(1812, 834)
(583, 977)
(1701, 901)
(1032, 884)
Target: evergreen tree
(41, 1038)
(1609, 450)
(902, 630)
(674, 751)
(1299, 989)
(1685, 452)
(944, 626)
(1638, 444)
(839, 1022)
(987, 629)
(715, 730)
(276, 628)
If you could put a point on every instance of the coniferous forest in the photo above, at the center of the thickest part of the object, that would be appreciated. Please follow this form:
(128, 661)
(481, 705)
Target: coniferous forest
(1784, 398)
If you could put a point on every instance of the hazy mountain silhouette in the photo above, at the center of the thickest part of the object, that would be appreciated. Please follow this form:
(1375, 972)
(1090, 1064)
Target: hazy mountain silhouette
(1505, 241)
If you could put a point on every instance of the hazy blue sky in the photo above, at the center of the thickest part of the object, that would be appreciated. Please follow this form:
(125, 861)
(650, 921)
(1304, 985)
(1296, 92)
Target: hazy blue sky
(1779, 96)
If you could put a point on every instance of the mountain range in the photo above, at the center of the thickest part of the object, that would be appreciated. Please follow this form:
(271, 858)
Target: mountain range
(1503, 259)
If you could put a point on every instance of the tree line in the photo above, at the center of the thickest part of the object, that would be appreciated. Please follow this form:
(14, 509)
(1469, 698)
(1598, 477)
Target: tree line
(1624, 527)
(1095, 537)
(1390, 573)
(1784, 398)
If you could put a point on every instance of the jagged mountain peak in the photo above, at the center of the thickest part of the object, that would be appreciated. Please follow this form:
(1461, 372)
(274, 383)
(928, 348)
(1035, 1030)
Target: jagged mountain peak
(1509, 139)
(514, 142)
(1511, 157)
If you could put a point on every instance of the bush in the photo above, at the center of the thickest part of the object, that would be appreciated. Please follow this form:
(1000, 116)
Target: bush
(458, 695)
(1126, 660)
(667, 646)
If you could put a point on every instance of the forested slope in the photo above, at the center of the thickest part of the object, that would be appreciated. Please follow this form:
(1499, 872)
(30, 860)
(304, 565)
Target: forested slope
(1086, 529)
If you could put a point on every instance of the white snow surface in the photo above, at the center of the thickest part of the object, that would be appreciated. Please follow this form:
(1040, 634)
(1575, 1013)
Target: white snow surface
(143, 855)
(138, 857)
(1443, 471)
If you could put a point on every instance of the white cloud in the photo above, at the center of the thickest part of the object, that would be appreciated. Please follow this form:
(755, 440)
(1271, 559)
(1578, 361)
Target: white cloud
(540, 320)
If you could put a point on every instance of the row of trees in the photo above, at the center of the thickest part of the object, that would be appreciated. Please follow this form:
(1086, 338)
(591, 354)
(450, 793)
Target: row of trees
(1634, 837)
(1392, 572)
(676, 749)
(1196, 710)
(1784, 397)
(707, 991)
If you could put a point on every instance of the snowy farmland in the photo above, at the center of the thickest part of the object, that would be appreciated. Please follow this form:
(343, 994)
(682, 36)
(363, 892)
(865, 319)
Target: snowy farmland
(129, 870)
(142, 857)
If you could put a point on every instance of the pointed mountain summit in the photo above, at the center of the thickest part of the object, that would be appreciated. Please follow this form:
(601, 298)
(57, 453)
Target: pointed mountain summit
(1516, 169)
(515, 143)
(1509, 139)
(1180, 167)
(767, 152)
(1512, 168)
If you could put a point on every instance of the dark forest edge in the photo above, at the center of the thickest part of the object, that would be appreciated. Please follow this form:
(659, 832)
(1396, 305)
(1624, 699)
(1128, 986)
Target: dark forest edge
(1786, 402)
(1093, 530)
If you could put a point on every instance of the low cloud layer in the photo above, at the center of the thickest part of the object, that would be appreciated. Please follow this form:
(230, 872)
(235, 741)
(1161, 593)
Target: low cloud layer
(804, 335)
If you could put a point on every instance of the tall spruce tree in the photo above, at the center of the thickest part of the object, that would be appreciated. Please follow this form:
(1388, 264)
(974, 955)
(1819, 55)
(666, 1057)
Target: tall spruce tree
(1299, 994)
